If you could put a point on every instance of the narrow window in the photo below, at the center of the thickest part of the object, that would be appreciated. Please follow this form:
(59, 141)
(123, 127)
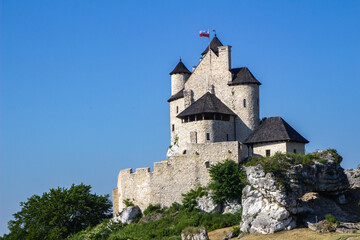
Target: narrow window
(184, 152)
(177, 109)
(207, 164)
(173, 127)
(208, 136)
(268, 153)
(227, 137)
(294, 150)
(244, 102)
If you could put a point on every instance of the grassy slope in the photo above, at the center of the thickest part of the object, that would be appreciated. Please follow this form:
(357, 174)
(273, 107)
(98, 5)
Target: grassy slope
(300, 233)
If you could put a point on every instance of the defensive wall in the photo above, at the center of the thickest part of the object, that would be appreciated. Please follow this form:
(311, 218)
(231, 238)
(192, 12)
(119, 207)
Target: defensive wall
(171, 178)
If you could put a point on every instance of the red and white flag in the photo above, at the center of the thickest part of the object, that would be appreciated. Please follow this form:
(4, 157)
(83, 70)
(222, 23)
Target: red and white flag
(204, 34)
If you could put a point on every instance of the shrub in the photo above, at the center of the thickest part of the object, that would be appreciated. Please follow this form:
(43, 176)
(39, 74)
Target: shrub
(236, 230)
(227, 181)
(330, 218)
(189, 198)
(152, 209)
(128, 203)
(59, 213)
(335, 155)
(322, 161)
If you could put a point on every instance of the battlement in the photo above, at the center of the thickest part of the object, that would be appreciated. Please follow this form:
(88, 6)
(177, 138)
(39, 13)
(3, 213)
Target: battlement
(170, 178)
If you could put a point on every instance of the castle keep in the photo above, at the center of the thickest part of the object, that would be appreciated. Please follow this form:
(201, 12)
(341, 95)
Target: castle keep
(214, 115)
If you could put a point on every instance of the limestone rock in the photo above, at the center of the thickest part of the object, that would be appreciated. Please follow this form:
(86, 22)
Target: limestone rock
(194, 234)
(231, 206)
(353, 176)
(173, 151)
(229, 235)
(207, 205)
(128, 215)
(270, 206)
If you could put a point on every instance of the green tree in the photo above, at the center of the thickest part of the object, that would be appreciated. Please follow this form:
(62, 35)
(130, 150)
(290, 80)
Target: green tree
(227, 181)
(58, 213)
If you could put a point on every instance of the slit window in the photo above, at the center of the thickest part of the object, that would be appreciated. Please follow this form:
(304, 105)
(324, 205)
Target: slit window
(268, 152)
(244, 102)
(227, 137)
(207, 136)
(177, 109)
(173, 127)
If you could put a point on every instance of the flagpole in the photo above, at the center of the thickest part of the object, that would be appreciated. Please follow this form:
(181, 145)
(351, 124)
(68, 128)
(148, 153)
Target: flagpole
(208, 82)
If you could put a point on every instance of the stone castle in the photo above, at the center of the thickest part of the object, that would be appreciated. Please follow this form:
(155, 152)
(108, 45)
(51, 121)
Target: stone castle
(214, 115)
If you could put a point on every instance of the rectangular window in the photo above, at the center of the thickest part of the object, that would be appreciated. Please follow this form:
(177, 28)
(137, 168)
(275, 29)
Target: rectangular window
(207, 164)
(268, 153)
(294, 150)
(173, 127)
(208, 136)
(177, 109)
(244, 102)
(227, 137)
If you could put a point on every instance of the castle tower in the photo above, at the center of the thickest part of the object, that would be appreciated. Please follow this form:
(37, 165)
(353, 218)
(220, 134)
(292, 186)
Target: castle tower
(178, 77)
(245, 88)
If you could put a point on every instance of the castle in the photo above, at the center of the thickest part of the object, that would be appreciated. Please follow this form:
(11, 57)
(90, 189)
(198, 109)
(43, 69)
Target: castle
(214, 115)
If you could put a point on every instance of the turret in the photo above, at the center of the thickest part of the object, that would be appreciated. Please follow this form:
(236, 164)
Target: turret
(178, 77)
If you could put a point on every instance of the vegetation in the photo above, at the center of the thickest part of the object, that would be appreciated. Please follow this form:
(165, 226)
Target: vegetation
(330, 218)
(236, 230)
(169, 227)
(189, 199)
(227, 181)
(128, 203)
(153, 209)
(58, 213)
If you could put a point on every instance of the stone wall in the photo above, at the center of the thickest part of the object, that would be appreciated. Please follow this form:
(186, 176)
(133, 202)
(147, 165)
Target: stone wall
(171, 178)
(283, 147)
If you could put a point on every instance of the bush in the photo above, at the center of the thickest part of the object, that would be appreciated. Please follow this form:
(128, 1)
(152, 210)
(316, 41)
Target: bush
(236, 230)
(189, 198)
(330, 218)
(128, 203)
(227, 181)
(59, 213)
(152, 209)
(335, 155)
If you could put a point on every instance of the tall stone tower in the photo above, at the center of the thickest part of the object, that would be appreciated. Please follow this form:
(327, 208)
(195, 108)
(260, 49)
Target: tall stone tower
(179, 76)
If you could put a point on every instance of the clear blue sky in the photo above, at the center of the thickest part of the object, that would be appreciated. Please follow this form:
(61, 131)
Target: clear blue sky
(84, 84)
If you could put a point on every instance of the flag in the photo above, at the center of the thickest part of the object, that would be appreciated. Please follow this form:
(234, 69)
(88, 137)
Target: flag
(204, 34)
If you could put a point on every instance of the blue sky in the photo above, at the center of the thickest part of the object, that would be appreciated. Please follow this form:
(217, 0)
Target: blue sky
(84, 84)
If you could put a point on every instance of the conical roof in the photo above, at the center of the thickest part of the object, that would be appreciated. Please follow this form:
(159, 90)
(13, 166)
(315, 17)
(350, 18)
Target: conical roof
(242, 76)
(274, 129)
(214, 44)
(180, 68)
(208, 103)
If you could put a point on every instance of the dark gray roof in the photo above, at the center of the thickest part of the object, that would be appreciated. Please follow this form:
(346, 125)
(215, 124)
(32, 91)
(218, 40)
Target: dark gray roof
(180, 68)
(274, 129)
(242, 76)
(214, 44)
(177, 95)
(208, 103)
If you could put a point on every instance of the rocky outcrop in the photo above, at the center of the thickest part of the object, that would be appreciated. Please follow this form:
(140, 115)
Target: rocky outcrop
(207, 205)
(353, 176)
(128, 215)
(193, 233)
(270, 202)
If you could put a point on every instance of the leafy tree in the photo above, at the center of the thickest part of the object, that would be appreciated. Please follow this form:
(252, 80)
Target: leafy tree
(58, 213)
(227, 181)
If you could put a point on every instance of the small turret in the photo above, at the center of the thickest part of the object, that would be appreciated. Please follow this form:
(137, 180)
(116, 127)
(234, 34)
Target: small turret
(178, 77)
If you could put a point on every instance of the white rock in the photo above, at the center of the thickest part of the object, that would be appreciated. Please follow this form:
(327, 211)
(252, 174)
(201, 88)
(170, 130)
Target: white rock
(128, 215)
